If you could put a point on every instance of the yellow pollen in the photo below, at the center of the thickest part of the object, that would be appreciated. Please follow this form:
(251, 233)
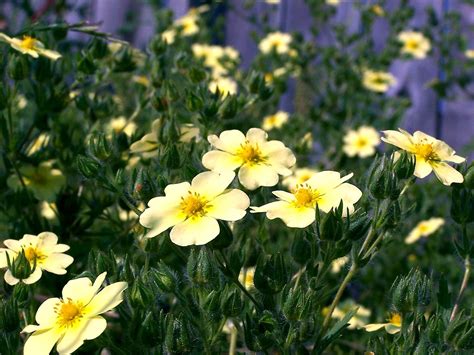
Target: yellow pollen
(194, 205)
(378, 79)
(361, 142)
(426, 151)
(412, 44)
(423, 228)
(251, 154)
(395, 319)
(28, 43)
(305, 197)
(32, 255)
(68, 313)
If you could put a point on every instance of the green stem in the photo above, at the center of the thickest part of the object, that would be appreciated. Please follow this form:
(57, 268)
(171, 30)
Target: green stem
(233, 340)
(340, 291)
(130, 205)
(467, 272)
(374, 245)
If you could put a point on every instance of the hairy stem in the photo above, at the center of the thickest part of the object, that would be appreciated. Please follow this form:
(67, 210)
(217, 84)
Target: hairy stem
(465, 279)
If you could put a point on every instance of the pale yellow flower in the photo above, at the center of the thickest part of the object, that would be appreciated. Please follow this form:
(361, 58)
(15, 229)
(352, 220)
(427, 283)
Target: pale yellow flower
(333, 2)
(469, 53)
(299, 177)
(120, 124)
(44, 181)
(276, 120)
(260, 161)
(246, 277)
(169, 36)
(226, 86)
(393, 325)
(424, 229)
(42, 252)
(188, 25)
(213, 57)
(378, 81)
(307, 140)
(272, 2)
(48, 210)
(39, 143)
(414, 44)
(378, 10)
(361, 142)
(359, 319)
(192, 210)
(338, 264)
(430, 153)
(31, 46)
(21, 101)
(141, 79)
(325, 190)
(148, 144)
(277, 41)
(75, 317)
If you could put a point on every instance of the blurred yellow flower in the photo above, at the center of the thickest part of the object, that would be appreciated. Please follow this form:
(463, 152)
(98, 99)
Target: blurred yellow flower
(260, 161)
(192, 210)
(361, 142)
(424, 229)
(359, 320)
(186, 25)
(277, 41)
(42, 252)
(414, 44)
(246, 277)
(226, 86)
(120, 124)
(213, 57)
(31, 46)
(325, 190)
(378, 10)
(148, 144)
(338, 264)
(393, 325)
(141, 79)
(333, 2)
(430, 153)
(44, 181)
(469, 53)
(299, 177)
(75, 317)
(276, 120)
(39, 143)
(307, 140)
(378, 81)
(48, 210)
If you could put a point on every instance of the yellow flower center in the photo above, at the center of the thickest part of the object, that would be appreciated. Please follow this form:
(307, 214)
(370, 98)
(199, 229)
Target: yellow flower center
(395, 319)
(422, 228)
(305, 196)
(194, 205)
(33, 255)
(68, 313)
(380, 80)
(276, 42)
(361, 142)
(426, 151)
(37, 178)
(412, 44)
(251, 154)
(28, 43)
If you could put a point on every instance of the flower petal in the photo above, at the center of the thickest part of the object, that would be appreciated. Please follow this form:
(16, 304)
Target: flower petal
(82, 289)
(41, 342)
(10, 279)
(256, 135)
(283, 195)
(447, 174)
(56, 263)
(228, 141)
(211, 184)
(254, 176)
(220, 161)
(374, 327)
(159, 220)
(422, 168)
(195, 231)
(34, 277)
(75, 336)
(398, 139)
(108, 298)
(292, 216)
(230, 206)
(45, 315)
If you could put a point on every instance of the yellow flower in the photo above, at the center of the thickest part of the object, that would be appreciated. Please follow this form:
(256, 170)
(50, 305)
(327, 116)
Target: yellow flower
(213, 57)
(276, 120)
(378, 81)
(169, 36)
(148, 144)
(141, 79)
(358, 320)
(333, 2)
(414, 44)
(246, 277)
(188, 25)
(337, 264)
(393, 325)
(378, 10)
(193, 209)
(424, 229)
(31, 46)
(278, 41)
(75, 317)
(44, 181)
(260, 161)
(226, 86)
(39, 143)
(307, 140)
(299, 177)
(120, 124)
(325, 190)
(469, 53)
(430, 153)
(42, 252)
(272, 2)
(48, 210)
(361, 142)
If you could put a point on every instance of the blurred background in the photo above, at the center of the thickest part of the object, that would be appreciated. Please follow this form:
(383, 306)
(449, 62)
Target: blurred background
(133, 20)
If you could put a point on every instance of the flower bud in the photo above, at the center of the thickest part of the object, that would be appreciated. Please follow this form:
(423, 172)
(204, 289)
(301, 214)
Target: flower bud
(460, 332)
(392, 215)
(88, 167)
(231, 302)
(259, 335)
(151, 331)
(358, 226)
(271, 274)
(381, 180)
(404, 167)
(462, 204)
(99, 147)
(301, 249)
(201, 270)
(157, 45)
(98, 48)
(20, 267)
(141, 295)
(212, 305)
(18, 67)
(469, 178)
(411, 292)
(193, 102)
(123, 60)
(197, 75)
(178, 336)
(164, 278)
(229, 107)
(171, 157)
(86, 64)
(332, 226)
(99, 262)
(256, 82)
